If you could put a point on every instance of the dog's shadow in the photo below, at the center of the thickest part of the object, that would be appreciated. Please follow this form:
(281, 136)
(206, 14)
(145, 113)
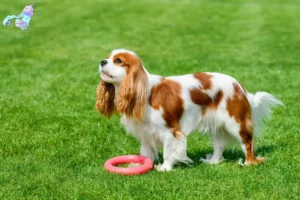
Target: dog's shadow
(230, 155)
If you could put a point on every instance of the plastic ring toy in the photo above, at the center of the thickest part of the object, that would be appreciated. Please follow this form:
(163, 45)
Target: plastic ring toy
(146, 165)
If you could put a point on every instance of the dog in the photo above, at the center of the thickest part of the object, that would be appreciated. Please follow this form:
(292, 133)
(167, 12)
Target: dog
(162, 111)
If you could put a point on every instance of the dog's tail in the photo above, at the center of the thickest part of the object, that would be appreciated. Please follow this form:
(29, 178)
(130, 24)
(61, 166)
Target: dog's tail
(261, 103)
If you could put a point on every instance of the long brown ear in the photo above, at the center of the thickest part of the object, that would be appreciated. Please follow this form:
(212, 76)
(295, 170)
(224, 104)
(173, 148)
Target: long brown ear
(105, 98)
(133, 92)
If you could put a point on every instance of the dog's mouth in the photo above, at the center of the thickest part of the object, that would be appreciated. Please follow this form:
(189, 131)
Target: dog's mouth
(106, 75)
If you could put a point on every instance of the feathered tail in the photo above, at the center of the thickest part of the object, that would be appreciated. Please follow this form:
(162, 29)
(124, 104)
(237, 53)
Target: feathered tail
(261, 103)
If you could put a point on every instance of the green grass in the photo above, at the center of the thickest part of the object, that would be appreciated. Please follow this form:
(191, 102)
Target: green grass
(53, 143)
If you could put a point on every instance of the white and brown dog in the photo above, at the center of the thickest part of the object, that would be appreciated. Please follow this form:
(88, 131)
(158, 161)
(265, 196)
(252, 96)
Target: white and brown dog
(164, 110)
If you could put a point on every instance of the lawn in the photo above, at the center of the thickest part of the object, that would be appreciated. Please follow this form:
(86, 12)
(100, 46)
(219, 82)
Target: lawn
(53, 143)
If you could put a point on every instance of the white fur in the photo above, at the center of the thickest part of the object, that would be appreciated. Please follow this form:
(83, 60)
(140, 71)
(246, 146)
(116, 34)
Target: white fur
(111, 73)
(261, 103)
(152, 131)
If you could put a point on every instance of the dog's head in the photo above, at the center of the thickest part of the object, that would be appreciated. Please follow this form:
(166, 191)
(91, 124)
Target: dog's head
(123, 85)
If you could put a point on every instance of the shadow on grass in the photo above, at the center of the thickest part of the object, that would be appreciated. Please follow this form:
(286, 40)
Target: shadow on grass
(230, 155)
(262, 151)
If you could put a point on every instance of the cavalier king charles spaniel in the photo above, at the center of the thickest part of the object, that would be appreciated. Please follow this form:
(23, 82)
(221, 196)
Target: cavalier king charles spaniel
(162, 111)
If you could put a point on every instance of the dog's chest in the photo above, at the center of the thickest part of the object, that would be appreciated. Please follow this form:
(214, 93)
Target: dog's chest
(143, 129)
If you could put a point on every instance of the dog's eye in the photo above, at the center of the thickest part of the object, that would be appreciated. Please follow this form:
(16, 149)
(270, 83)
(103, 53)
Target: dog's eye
(118, 61)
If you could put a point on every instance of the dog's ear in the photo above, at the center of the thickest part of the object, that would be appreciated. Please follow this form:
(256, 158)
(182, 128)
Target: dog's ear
(132, 96)
(105, 98)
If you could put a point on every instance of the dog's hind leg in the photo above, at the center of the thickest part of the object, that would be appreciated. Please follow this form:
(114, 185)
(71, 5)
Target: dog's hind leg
(219, 143)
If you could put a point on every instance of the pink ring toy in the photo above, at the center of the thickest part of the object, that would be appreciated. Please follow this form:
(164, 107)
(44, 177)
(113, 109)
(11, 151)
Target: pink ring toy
(147, 164)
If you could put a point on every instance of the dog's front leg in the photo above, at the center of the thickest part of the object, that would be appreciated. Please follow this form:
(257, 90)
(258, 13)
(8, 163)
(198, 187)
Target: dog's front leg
(147, 149)
(175, 150)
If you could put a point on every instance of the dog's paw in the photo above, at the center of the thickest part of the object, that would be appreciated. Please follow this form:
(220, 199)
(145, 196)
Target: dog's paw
(250, 162)
(163, 168)
(210, 160)
(255, 161)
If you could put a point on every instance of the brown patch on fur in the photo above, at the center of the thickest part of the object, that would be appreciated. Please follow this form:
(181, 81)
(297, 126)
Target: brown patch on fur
(167, 96)
(127, 60)
(133, 92)
(201, 98)
(205, 80)
(206, 102)
(239, 108)
(105, 98)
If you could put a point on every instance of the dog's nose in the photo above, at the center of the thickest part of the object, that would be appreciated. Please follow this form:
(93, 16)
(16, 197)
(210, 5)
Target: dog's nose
(103, 62)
